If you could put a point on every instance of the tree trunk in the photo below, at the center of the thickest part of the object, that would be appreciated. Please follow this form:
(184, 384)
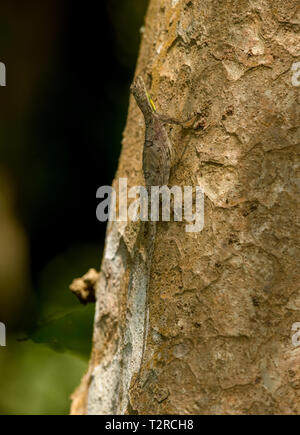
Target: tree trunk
(221, 303)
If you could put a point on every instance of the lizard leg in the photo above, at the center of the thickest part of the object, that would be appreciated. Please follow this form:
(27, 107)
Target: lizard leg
(168, 120)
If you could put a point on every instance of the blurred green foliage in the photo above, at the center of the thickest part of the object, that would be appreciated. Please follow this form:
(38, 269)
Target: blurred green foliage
(69, 67)
(71, 332)
(61, 322)
(37, 380)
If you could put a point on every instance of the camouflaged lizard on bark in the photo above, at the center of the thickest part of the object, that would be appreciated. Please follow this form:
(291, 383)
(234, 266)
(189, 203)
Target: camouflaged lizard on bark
(158, 157)
(158, 154)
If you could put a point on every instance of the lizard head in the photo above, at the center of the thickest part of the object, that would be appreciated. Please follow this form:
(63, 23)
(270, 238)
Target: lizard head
(143, 99)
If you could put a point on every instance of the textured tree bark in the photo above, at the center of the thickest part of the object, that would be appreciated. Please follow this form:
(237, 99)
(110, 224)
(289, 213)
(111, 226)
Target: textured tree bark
(222, 302)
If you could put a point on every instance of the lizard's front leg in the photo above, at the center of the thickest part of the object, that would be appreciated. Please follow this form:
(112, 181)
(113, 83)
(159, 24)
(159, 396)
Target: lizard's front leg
(169, 120)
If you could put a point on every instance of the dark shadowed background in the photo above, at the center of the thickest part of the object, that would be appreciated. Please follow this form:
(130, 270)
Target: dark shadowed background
(69, 67)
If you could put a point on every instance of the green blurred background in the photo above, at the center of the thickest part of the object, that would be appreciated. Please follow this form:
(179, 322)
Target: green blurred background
(69, 66)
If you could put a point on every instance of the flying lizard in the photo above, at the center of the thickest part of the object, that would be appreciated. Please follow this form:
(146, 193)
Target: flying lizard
(158, 159)
(158, 155)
